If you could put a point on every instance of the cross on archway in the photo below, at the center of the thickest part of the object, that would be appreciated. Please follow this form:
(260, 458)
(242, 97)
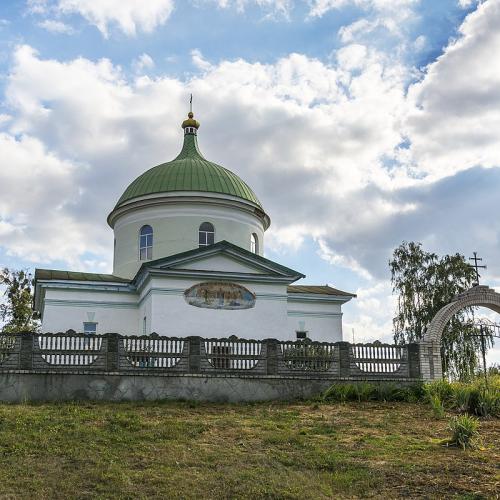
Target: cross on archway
(476, 267)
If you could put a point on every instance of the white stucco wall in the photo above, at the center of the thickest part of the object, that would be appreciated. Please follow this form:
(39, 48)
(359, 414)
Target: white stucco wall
(162, 303)
(322, 318)
(175, 230)
(66, 309)
(173, 316)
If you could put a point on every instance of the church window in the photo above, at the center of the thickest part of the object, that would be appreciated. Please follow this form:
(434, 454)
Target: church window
(89, 328)
(206, 234)
(254, 243)
(144, 325)
(146, 243)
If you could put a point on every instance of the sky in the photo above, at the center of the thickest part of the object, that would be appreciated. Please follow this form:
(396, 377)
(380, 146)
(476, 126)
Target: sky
(358, 123)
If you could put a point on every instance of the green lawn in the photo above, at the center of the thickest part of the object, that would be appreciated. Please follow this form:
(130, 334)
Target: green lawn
(178, 450)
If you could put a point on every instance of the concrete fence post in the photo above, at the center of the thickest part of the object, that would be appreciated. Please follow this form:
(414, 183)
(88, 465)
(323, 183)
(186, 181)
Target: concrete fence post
(344, 359)
(194, 361)
(26, 353)
(272, 357)
(113, 352)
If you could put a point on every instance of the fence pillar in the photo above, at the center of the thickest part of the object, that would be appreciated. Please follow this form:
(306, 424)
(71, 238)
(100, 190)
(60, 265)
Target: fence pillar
(413, 360)
(113, 352)
(194, 364)
(272, 357)
(344, 359)
(430, 361)
(26, 354)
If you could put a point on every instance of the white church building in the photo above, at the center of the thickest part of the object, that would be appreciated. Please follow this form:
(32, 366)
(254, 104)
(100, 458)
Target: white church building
(189, 260)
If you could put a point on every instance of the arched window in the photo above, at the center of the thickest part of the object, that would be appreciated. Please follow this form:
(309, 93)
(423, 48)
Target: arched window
(206, 234)
(146, 243)
(254, 243)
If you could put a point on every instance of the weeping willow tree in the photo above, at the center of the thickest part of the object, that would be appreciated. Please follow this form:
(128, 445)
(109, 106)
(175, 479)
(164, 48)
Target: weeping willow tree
(425, 282)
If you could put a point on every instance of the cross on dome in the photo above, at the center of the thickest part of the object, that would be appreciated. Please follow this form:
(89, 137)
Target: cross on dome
(190, 125)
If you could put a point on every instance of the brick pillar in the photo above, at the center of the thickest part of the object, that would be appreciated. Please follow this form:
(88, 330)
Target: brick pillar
(414, 360)
(26, 353)
(272, 356)
(430, 361)
(194, 363)
(113, 352)
(344, 359)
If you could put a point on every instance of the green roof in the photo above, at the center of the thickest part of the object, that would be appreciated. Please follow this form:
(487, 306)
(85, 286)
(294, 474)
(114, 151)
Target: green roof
(189, 171)
(319, 290)
(53, 274)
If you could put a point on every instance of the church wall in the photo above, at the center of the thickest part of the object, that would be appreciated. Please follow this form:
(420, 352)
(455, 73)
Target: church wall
(166, 311)
(69, 309)
(175, 230)
(173, 316)
(145, 311)
(322, 320)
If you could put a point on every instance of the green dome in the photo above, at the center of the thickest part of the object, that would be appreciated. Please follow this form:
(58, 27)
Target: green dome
(190, 171)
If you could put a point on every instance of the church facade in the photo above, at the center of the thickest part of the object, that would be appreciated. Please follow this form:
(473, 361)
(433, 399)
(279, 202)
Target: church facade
(189, 260)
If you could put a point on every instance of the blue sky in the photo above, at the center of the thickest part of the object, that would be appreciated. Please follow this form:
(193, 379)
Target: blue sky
(359, 123)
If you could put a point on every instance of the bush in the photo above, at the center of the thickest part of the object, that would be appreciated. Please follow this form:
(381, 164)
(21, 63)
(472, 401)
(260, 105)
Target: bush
(365, 391)
(436, 405)
(440, 388)
(475, 397)
(340, 393)
(464, 430)
(488, 403)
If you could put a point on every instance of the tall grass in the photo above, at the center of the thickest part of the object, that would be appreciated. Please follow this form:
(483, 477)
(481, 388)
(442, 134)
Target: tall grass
(365, 391)
(475, 398)
(464, 431)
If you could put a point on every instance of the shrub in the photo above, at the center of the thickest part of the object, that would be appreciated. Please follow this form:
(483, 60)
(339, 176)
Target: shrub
(340, 392)
(464, 431)
(441, 388)
(461, 398)
(436, 405)
(364, 391)
(488, 404)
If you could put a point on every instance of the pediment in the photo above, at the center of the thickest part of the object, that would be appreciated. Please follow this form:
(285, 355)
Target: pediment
(223, 258)
(220, 263)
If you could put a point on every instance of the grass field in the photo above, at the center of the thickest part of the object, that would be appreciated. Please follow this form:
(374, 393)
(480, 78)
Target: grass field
(178, 450)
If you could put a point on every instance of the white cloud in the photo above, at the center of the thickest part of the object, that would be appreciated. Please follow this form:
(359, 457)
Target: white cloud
(38, 6)
(465, 4)
(274, 7)
(199, 61)
(58, 27)
(143, 62)
(399, 8)
(129, 16)
(455, 110)
(38, 189)
(352, 56)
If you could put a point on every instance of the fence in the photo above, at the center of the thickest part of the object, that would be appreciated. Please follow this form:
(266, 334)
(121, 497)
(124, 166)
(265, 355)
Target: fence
(113, 353)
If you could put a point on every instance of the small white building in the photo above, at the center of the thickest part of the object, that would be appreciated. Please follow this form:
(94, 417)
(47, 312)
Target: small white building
(188, 260)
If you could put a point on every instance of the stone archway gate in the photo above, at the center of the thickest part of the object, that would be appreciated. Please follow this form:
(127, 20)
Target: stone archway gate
(430, 346)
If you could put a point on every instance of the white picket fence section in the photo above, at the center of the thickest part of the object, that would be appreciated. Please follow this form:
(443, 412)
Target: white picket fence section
(69, 350)
(378, 359)
(233, 355)
(153, 352)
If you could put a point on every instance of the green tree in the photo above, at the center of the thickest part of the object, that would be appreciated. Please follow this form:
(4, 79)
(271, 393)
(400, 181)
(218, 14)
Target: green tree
(16, 312)
(425, 282)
